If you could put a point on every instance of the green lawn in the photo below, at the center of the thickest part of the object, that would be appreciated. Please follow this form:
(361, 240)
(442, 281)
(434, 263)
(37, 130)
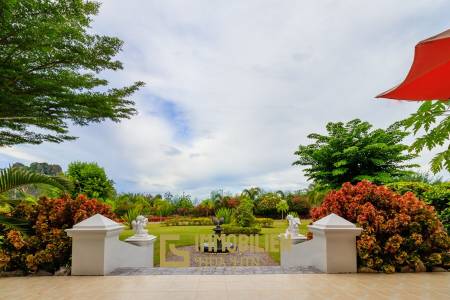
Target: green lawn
(188, 233)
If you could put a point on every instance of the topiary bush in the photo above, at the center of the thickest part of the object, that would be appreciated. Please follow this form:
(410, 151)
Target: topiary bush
(46, 246)
(234, 229)
(399, 231)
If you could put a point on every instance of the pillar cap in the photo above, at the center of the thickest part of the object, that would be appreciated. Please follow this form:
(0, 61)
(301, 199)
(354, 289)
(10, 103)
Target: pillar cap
(97, 222)
(333, 221)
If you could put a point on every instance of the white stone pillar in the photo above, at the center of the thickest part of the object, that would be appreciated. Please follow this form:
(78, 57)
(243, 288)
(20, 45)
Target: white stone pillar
(97, 250)
(332, 249)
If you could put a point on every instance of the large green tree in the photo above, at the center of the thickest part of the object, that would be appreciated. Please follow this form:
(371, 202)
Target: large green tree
(90, 179)
(353, 152)
(49, 71)
(433, 118)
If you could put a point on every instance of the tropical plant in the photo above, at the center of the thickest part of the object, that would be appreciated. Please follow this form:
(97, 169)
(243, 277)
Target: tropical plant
(434, 118)
(50, 62)
(267, 204)
(399, 231)
(252, 193)
(46, 247)
(299, 203)
(282, 207)
(437, 195)
(225, 213)
(352, 152)
(11, 178)
(90, 179)
(293, 214)
(131, 215)
(243, 215)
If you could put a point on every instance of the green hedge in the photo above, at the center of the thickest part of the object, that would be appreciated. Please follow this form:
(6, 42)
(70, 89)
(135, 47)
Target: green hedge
(264, 222)
(183, 221)
(233, 229)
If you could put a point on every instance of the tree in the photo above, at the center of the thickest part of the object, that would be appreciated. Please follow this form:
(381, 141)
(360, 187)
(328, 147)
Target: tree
(252, 193)
(352, 152)
(90, 179)
(243, 216)
(282, 207)
(429, 114)
(49, 66)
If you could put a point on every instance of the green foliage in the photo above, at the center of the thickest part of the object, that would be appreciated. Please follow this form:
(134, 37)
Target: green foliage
(434, 119)
(233, 229)
(186, 221)
(183, 204)
(41, 168)
(131, 215)
(282, 207)
(90, 179)
(293, 213)
(252, 193)
(264, 222)
(352, 152)
(266, 204)
(124, 202)
(437, 195)
(299, 203)
(243, 215)
(11, 178)
(225, 213)
(162, 207)
(49, 66)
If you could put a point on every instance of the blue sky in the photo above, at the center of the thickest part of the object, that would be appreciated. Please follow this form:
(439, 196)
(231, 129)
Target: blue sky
(233, 87)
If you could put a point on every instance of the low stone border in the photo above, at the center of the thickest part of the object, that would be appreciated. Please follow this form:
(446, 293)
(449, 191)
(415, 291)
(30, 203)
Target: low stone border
(213, 271)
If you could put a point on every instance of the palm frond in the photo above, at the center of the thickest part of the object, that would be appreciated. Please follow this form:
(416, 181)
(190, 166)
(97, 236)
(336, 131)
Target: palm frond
(11, 178)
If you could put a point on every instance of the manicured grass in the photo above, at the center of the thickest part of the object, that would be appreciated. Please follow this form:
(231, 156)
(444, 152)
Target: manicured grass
(188, 234)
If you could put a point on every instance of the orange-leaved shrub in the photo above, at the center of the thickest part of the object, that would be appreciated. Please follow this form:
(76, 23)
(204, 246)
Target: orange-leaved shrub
(399, 231)
(46, 247)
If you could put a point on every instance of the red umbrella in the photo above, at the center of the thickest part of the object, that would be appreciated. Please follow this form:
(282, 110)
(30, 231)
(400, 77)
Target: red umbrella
(429, 76)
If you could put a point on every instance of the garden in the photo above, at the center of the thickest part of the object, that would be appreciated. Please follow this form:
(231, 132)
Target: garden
(364, 174)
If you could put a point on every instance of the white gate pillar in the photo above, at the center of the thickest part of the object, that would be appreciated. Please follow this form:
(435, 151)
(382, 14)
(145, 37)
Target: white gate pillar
(97, 250)
(332, 249)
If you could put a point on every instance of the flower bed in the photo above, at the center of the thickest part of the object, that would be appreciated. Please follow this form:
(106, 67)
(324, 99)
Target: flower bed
(184, 221)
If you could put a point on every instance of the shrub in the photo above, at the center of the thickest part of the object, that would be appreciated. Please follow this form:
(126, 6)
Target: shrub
(46, 247)
(267, 205)
(185, 221)
(233, 229)
(264, 222)
(398, 230)
(243, 215)
(299, 204)
(224, 213)
(437, 195)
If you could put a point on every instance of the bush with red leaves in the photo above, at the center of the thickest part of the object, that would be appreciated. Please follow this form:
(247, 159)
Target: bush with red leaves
(47, 246)
(398, 230)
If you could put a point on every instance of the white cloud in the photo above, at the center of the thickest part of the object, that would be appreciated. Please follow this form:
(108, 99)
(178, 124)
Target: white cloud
(244, 83)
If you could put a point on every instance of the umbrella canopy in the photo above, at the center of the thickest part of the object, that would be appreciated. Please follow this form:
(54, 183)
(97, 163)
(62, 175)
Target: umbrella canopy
(429, 76)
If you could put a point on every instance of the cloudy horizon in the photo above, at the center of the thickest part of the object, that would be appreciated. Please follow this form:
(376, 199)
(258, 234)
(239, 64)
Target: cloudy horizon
(232, 88)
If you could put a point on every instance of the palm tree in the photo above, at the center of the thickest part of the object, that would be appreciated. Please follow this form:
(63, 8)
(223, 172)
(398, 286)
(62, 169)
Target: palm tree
(251, 193)
(11, 178)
